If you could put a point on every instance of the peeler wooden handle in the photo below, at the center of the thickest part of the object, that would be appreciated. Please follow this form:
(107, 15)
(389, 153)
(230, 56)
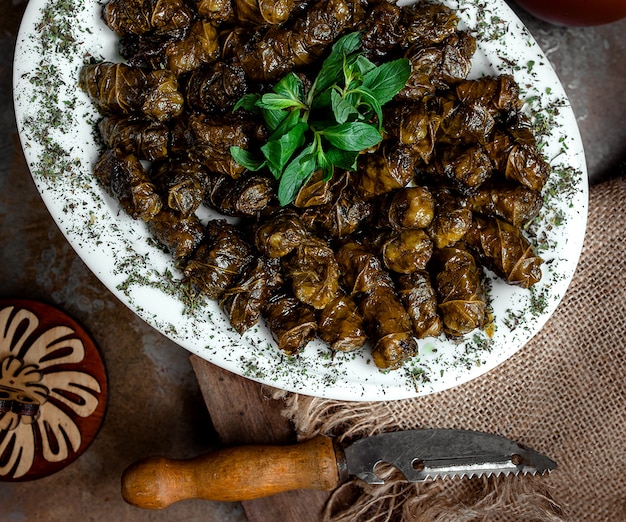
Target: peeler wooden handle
(232, 474)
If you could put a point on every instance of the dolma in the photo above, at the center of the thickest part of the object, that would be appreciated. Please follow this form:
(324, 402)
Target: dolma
(420, 301)
(163, 101)
(388, 328)
(514, 203)
(147, 16)
(216, 88)
(180, 235)
(121, 88)
(415, 125)
(527, 166)
(389, 168)
(406, 251)
(498, 93)
(340, 217)
(407, 208)
(313, 273)
(245, 299)
(387, 323)
(281, 50)
(182, 182)
(438, 66)
(466, 168)
(145, 139)
(460, 292)
(362, 271)
(451, 221)
(279, 232)
(209, 139)
(340, 325)
(516, 156)
(114, 87)
(262, 12)
(246, 196)
(503, 248)
(428, 23)
(219, 260)
(124, 178)
(291, 322)
(467, 124)
(316, 191)
(215, 10)
(200, 46)
(382, 31)
(147, 51)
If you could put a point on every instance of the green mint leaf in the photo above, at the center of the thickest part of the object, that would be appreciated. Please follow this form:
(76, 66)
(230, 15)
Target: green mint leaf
(368, 99)
(290, 86)
(273, 118)
(354, 136)
(386, 80)
(246, 159)
(331, 71)
(343, 110)
(248, 102)
(363, 64)
(325, 164)
(342, 159)
(273, 101)
(291, 119)
(296, 174)
(279, 151)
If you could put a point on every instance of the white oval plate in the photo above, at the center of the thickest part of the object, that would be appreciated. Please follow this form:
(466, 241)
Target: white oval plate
(55, 121)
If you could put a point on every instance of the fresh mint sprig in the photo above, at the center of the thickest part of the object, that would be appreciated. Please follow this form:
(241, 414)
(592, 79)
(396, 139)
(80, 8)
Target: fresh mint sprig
(328, 127)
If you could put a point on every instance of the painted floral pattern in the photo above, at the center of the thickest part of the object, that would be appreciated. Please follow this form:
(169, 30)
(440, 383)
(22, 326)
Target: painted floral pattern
(41, 392)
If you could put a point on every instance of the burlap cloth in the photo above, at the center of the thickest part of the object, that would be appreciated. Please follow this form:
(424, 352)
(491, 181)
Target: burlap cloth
(563, 394)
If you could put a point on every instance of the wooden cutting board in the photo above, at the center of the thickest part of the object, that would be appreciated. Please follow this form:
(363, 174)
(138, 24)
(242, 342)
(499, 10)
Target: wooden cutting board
(243, 412)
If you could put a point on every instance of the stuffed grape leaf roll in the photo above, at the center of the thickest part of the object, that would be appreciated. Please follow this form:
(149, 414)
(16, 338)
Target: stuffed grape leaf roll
(498, 93)
(451, 221)
(208, 139)
(420, 301)
(219, 260)
(387, 323)
(460, 292)
(278, 232)
(139, 17)
(291, 322)
(504, 249)
(180, 235)
(341, 216)
(216, 88)
(243, 302)
(389, 168)
(200, 46)
(145, 139)
(514, 203)
(415, 125)
(246, 196)
(340, 325)
(262, 12)
(406, 251)
(124, 177)
(125, 89)
(407, 208)
(182, 182)
(313, 273)
(388, 328)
